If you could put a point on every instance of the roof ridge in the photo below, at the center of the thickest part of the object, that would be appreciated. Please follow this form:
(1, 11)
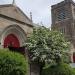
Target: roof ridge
(16, 7)
(6, 5)
(23, 13)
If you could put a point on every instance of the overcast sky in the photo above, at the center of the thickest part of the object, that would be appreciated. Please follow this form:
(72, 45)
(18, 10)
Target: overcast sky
(40, 9)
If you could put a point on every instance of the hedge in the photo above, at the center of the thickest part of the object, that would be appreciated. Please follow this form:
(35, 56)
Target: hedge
(12, 63)
(61, 69)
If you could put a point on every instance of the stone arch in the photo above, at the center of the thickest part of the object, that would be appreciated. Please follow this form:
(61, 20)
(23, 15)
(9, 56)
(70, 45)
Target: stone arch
(15, 30)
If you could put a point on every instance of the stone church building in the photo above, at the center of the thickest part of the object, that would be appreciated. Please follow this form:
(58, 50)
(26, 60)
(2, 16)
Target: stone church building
(63, 20)
(15, 27)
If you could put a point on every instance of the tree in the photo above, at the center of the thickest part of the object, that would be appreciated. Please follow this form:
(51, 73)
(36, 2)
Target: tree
(46, 46)
(12, 63)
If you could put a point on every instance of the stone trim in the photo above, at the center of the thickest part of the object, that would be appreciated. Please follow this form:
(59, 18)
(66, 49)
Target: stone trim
(15, 20)
(14, 29)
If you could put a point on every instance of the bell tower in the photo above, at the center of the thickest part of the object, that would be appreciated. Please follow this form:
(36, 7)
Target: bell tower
(63, 20)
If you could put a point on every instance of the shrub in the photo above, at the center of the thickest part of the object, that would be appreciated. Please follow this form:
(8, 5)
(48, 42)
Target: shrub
(12, 63)
(61, 69)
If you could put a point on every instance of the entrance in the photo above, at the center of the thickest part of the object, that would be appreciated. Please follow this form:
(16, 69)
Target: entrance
(11, 40)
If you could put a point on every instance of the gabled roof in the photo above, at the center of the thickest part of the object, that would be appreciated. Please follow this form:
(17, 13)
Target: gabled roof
(14, 12)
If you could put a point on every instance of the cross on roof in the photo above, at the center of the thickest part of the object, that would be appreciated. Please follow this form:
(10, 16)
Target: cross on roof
(14, 3)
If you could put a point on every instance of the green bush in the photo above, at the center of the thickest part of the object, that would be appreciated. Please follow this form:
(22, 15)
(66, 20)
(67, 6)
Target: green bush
(12, 63)
(61, 69)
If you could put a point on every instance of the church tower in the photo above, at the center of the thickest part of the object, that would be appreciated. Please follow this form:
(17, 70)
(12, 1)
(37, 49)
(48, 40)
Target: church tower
(63, 20)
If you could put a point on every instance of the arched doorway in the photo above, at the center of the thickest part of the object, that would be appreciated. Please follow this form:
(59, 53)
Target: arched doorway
(13, 35)
(11, 40)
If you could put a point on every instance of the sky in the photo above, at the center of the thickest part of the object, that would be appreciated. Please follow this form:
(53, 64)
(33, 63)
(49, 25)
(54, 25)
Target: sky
(41, 9)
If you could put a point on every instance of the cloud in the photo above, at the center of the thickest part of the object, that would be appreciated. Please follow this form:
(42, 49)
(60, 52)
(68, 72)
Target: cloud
(40, 9)
(1, 2)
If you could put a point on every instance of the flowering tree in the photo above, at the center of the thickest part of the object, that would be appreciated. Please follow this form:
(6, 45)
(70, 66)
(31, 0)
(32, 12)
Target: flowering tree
(46, 46)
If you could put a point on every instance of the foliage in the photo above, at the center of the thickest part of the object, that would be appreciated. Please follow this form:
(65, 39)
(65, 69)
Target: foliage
(74, 71)
(46, 46)
(61, 69)
(66, 58)
(12, 63)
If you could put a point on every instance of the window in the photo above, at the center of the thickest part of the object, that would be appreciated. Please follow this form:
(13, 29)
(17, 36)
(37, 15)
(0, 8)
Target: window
(61, 15)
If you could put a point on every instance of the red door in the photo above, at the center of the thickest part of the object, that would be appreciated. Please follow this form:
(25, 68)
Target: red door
(11, 40)
(74, 57)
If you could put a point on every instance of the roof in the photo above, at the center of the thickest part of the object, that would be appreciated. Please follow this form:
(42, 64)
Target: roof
(62, 3)
(14, 12)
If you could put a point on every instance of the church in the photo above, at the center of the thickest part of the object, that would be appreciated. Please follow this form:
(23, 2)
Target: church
(15, 27)
(63, 20)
